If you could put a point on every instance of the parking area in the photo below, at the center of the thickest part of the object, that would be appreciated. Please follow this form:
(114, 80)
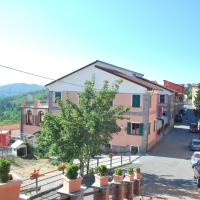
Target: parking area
(167, 171)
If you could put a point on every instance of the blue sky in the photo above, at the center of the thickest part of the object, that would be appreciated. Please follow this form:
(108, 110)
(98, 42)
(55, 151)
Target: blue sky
(158, 38)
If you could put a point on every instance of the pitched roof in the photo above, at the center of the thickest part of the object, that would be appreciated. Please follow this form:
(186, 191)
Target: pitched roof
(108, 65)
(133, 79)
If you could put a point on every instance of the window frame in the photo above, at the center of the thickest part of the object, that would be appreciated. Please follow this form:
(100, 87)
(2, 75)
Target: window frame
(135, 103)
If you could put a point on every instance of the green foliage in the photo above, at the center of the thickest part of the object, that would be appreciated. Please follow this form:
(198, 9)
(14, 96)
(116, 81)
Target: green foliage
(138, 170)
(118, 171)
(10, 106)
(80, 130)
(197, 101)
(130, 170)
(71, 171)
(101, 170)
(4, 170)
(188, 92)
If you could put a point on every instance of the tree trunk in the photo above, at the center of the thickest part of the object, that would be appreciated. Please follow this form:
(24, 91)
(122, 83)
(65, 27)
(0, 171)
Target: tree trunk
(88, 164)
(81, 167)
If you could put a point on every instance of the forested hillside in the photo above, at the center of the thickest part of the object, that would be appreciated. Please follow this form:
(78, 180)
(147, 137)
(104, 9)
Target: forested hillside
(10, 106)
(18, 89)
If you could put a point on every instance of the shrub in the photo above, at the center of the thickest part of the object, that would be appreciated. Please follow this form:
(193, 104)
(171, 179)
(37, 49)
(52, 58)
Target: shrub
(137, 170)
(71, 171)
(4, 170)
(130, 170)
(118, 171)
(101, 170)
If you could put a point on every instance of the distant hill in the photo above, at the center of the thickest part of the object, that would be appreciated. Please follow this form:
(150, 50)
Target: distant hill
(18, 89)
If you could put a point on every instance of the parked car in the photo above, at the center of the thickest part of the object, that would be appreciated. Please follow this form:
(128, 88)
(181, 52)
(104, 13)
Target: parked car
(194, 145)
(193, 127)
(183, 111)
(178, 118)
(195, 157)
(196, 169)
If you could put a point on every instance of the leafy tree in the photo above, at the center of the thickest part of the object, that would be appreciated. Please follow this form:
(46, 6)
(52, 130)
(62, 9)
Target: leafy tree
(81, 130)
(197, 101)
(188, 92)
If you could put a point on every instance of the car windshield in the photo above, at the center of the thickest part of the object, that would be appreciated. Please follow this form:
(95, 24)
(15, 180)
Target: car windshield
(196, 143)
(193, 126)
(197, 155)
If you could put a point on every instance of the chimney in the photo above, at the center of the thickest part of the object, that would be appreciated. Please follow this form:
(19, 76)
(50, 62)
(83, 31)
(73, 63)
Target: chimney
(37, 104)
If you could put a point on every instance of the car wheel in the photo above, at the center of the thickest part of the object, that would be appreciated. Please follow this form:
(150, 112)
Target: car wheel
(198, 182)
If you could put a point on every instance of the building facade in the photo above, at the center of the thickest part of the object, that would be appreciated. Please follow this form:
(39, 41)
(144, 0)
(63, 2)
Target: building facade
(151, 106)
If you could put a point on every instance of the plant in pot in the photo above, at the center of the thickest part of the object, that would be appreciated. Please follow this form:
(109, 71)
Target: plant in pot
(71, 181)
(137, 173)
(117, 176)
(129, 176)
(9, 183)
(100, 177)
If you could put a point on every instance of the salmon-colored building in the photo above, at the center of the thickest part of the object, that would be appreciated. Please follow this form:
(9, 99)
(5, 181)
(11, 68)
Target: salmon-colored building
(151, 106)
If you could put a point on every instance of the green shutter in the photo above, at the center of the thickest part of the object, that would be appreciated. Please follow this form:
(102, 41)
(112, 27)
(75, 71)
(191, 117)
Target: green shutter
(57, 96)
(136, 101)
(141, 129)
(129, 128)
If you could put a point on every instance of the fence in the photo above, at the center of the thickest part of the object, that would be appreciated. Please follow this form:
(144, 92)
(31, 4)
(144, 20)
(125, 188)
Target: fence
(53, 179)
(5, 152)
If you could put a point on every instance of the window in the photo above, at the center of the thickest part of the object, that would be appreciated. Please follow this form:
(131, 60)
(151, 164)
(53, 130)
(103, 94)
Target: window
(57, 96)
(150, 101)
(40, 117)
(136, 101)
(162, 98)
(135, 128)
(29, 118)
(149, 128)
(154, 125)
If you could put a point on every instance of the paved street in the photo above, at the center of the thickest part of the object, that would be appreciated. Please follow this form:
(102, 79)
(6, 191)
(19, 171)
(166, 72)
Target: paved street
(167, 171)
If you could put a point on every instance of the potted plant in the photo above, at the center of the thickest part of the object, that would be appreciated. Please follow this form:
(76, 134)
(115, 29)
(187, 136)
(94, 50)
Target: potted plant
(100, 177)
(129, 176)
(137, 173)
(61, 167)
(35, 174)
(71, 181)
(9, 183)
(117, 176)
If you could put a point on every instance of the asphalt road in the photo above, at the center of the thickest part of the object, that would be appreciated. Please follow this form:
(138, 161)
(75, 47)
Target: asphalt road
(167, 171)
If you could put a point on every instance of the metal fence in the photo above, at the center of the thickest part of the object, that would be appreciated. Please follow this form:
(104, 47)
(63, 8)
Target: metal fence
(5, 152)
(53, 179)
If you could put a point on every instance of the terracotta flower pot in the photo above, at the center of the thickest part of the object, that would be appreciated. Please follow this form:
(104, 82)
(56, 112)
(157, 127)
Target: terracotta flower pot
(117, 178)
(101, 180)
(129, 177)
(137, 175)
(11, 189)
(71, 185)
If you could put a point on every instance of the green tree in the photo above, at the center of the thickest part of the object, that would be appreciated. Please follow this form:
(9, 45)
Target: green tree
(188, 92)
(197, 101)
(81, 130)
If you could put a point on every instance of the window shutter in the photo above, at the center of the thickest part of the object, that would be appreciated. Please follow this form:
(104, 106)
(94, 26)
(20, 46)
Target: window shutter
(141, 129)
(129, 128)
(136, 101)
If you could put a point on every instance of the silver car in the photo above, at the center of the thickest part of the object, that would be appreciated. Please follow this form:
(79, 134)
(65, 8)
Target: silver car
(195, 145)
(195, 157)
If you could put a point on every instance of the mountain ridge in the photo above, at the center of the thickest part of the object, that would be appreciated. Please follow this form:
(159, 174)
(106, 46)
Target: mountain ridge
(18, 89)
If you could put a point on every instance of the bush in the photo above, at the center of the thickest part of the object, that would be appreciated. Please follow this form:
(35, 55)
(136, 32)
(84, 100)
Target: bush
(118, 171)
(130, 170)
(71, 171)
(4, 170)
(101, 170)
(137, 170)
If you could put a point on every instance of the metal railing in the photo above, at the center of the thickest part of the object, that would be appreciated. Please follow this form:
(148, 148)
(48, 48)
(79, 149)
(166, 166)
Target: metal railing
(53, 178)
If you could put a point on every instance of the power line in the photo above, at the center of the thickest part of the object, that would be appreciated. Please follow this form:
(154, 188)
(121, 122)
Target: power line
(36, 75)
